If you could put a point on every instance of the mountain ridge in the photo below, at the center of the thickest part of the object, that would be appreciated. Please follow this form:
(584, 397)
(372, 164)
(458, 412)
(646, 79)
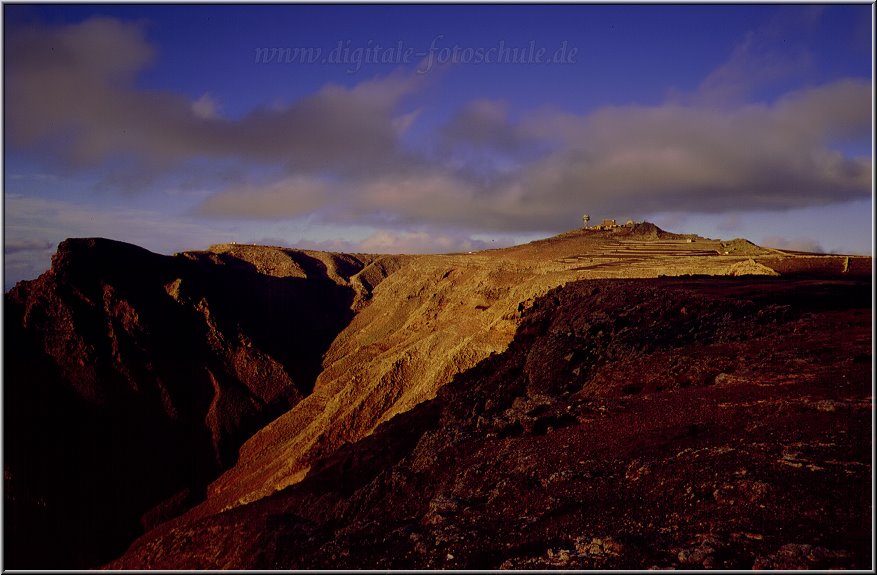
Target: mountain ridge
(249, 364)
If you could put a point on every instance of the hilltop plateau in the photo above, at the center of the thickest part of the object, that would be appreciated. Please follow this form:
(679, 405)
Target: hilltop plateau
(588, 400)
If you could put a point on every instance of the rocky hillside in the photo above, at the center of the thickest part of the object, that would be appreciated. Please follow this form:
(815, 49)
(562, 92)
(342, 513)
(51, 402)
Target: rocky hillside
(436, 316)
(131, 380)
(672, 423)
(150, 384)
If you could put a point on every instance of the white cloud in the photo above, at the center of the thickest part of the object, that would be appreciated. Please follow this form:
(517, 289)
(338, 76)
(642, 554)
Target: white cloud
(76, 84)
(795, 244)
(419, 242)
(34, 227)
(630, 159)
(206, 107)
(15, 245)
(284, 198)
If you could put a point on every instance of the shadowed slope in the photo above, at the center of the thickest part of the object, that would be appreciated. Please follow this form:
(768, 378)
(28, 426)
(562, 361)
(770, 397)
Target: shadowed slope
(133, 378)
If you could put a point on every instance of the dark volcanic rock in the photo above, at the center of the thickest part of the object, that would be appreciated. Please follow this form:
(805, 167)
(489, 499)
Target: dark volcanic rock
(674, 423)
(132, 378)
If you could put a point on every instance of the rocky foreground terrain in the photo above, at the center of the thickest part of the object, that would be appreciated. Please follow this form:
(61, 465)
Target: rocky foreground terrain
(593, 400)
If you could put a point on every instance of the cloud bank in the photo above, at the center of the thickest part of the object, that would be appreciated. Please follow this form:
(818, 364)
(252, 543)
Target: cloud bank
(341, 156)
(74, 88)
(629, 160)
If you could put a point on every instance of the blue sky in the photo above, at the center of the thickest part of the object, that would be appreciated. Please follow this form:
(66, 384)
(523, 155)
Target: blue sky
(168, 127)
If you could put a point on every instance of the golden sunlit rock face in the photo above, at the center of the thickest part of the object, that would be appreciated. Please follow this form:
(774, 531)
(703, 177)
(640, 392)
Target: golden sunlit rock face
(592, 400)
